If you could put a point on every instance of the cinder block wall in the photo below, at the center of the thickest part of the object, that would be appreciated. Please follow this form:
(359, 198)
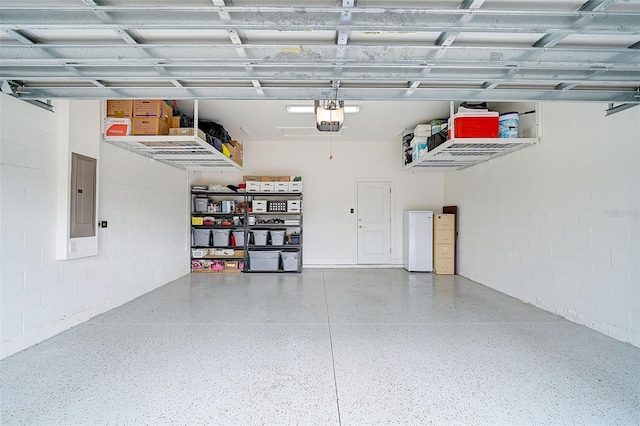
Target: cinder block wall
(557, 225)
(145, 245)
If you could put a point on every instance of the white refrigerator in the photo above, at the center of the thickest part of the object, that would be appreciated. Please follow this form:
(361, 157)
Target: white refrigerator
(418, 241)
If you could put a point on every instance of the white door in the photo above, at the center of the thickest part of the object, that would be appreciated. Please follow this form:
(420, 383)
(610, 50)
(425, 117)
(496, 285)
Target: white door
(374, 222)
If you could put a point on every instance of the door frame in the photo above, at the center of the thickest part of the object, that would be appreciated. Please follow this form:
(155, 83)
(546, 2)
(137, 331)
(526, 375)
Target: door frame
(392, 183)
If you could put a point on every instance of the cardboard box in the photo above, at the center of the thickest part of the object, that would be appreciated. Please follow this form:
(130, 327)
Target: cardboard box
(150, 126)
(117, 126)
(235, 152)
(267, 187)
(186, 131)
(181, 131)
(153, 108)
(251, 178)
(295, 186)
(275, 178)
(253, 186)
(444, 221)
(232, 264)
(175, 122)
(239, 152)
(120, 108)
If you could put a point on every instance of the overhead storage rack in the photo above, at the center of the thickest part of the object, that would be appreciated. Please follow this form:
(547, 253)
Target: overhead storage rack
(460, 153)
(184, 152)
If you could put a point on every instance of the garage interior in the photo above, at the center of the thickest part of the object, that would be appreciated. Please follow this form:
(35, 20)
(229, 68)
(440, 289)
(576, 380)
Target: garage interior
(539, 325)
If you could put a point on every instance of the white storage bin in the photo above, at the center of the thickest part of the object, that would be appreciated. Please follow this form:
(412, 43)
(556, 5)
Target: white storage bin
(253, 186)
(295, 186)
(281, 186)
(202, 237)
(277, 236)
(293, 206)
(221, 237)
(199, 252)
(422, 130)
(290, 260)
(260, 237)
(259, 206)
(264, 260)
(267, 187)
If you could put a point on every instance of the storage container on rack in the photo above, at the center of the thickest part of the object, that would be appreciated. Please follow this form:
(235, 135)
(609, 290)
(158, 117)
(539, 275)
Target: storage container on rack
(264, 260)
(201, 237)
(239, 237)
(290, 260)
(475, 125)
(277, 236)
(221, 237)
(260, 237)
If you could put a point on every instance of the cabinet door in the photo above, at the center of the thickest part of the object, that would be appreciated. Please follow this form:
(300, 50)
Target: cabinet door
(83, 196)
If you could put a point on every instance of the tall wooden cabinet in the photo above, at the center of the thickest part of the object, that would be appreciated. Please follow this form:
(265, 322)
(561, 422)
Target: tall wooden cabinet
(444, 240)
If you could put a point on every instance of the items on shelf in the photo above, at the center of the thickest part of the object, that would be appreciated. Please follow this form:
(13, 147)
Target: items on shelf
(117, 126)
(509, 124)
(475, 133)
(273, 183)
(230, 231)
(137, 117)
(213, 147)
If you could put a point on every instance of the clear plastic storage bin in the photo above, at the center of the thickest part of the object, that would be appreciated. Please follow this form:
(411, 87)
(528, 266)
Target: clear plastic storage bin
(264, 260)
(201, 237)
(260, 237)
(239, 237)
(221, 237)
(200, 205)
(277, 236)
(290, 260)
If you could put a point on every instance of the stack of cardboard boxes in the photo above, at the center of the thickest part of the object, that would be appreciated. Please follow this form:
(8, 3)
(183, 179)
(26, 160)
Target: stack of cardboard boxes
(138, 117)
(444, 240)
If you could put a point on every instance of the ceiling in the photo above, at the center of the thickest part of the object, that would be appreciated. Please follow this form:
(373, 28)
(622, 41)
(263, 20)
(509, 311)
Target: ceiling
(291, 53)
(304, 50)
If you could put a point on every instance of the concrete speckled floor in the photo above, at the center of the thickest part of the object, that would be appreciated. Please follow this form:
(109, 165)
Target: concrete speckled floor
(327, 347)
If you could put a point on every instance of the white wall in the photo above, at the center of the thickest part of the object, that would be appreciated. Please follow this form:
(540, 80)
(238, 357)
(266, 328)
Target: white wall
(557, 225)
(83, 140)
(145, 245)
(330, 189)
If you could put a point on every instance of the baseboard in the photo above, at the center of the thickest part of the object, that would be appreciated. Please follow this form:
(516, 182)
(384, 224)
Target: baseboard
(340, 266)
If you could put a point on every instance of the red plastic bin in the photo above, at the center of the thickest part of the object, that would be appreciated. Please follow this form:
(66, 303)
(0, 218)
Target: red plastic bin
(476, 127)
